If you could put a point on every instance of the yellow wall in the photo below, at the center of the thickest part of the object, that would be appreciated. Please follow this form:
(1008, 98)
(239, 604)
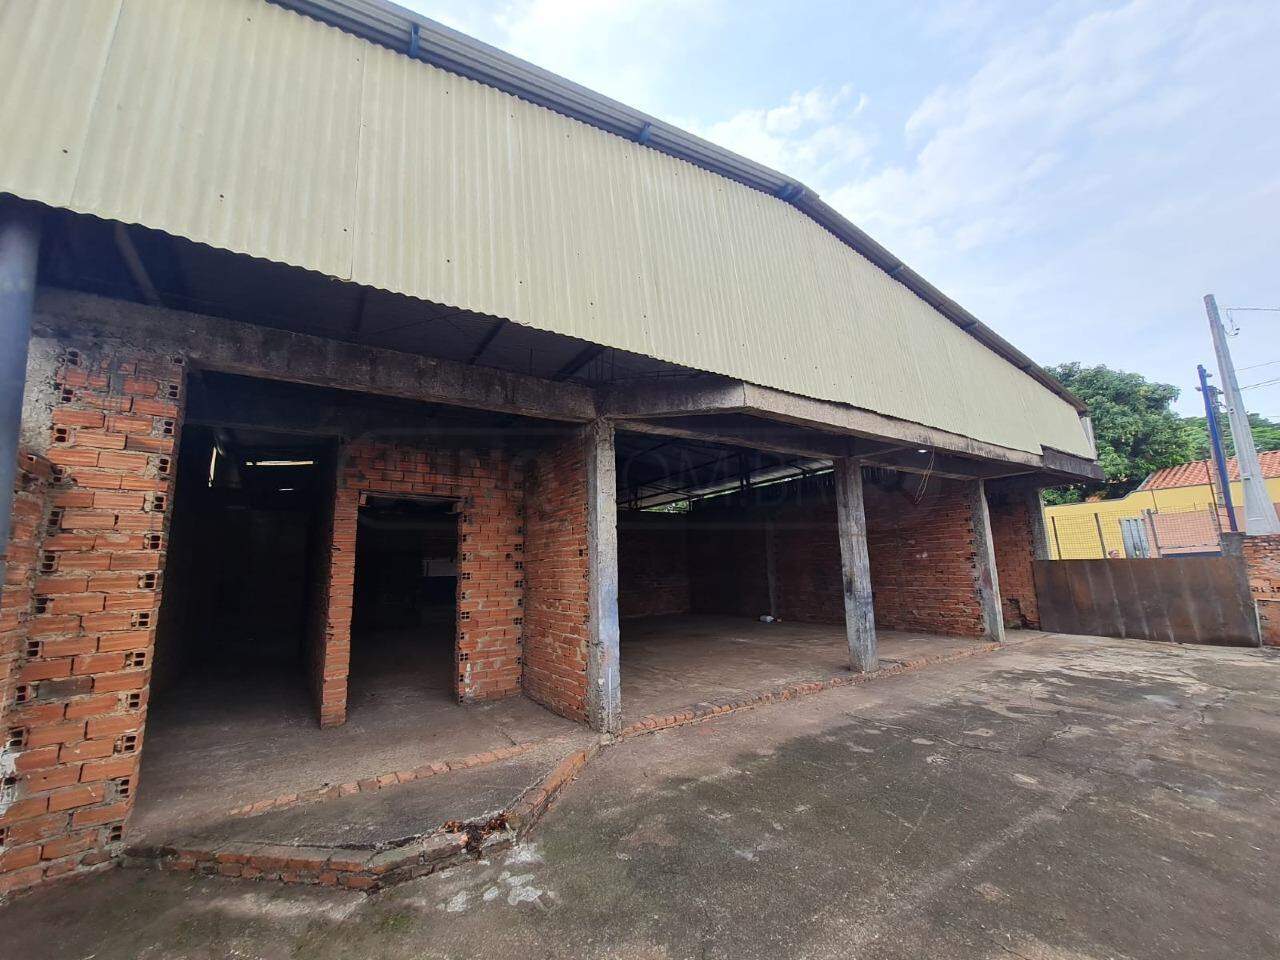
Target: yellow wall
(1077, 528)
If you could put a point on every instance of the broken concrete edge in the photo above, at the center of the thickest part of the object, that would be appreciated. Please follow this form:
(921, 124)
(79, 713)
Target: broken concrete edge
(531, 805)
(370, 784)
(371, 870)
(793, 691)
(355, 869)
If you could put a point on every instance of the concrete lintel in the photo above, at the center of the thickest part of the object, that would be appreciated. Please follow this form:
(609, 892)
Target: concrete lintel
(942, 465)
(659, 403)
(604, 693)
(229, 346)
(769, 437)
(985, 576)
(674, 398)
(855, 567)
(805, 411)
(357, 417)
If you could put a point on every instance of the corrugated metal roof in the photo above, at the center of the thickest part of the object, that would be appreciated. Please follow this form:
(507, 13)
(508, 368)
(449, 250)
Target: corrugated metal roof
(250, 127)
(1197, 472)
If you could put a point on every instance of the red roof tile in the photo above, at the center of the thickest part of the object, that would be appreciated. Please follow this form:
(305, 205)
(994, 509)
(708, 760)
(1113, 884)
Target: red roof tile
(1196, 473)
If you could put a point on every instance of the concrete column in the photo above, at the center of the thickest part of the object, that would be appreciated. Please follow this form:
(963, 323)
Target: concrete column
(19, 252)
(1035, 515)
(855, 566)
(604, 696)
(984, 555)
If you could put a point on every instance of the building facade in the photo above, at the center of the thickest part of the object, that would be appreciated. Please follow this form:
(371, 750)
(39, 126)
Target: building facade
(334, 329)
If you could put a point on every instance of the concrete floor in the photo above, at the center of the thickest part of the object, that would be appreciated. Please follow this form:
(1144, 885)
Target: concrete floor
(218, 742)
(672, 663)
(1063, 799)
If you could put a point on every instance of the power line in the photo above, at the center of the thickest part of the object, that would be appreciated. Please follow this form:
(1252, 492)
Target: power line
(1261, 383)
(1254, 366)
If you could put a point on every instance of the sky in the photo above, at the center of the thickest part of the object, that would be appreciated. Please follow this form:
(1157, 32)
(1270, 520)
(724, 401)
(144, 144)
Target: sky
(1078, 174)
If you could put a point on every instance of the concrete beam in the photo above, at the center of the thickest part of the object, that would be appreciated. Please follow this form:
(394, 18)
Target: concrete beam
(942, 465)
(254, 405)
(770, 437)
(249, 350)
(855, 567)
(693, 399)
(604, 694)
(987, 580)
(674, 398)
(794, 441)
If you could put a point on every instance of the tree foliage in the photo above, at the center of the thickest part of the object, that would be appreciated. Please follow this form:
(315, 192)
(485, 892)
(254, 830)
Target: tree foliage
(1266, 434)
(1134, 425)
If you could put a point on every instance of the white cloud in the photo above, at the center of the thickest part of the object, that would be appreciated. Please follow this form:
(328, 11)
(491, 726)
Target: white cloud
(810, 137)
(623, 48)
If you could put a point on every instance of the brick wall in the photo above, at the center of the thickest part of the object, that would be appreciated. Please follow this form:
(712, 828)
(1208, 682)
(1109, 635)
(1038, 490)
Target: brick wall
(1011, 535)
(807, 562)
(1262, 567)
(727, 562)
(17, 593)
(489, 486)
(923, 570)
(556, 602)
(329, 606)
(79, 702)
(653, 564)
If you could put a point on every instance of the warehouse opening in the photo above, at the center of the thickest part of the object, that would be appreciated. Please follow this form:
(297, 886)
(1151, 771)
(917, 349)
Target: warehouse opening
(721, 551)
(404, 616)
(233, 622)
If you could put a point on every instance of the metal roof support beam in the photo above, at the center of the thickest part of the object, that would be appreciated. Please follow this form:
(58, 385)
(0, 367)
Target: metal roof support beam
(137, 269)
(228, 346)
(580, 360)
(487, 341)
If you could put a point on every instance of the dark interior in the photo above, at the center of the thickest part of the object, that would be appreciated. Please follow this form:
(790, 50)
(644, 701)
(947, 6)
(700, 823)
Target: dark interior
(404, 619)
(238, 582)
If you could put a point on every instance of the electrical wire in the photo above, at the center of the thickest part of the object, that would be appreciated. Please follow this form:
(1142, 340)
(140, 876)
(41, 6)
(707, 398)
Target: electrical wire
(1262, 383)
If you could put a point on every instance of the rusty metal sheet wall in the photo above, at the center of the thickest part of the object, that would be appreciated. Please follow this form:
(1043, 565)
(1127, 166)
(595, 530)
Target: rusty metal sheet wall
(246, 126)
(1176, 600)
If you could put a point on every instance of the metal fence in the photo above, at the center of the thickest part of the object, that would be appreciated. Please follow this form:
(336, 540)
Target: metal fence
(1107, 534)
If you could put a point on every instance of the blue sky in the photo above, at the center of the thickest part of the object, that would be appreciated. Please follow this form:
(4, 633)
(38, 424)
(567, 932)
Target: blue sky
(1078, 174)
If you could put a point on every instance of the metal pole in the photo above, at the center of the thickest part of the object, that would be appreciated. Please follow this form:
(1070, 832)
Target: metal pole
(1259, 512)
(1215, 443)
(19, 253)
(1102, 542)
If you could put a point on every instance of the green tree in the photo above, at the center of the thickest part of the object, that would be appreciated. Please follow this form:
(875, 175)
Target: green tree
(1266, 434)
(1134, 425)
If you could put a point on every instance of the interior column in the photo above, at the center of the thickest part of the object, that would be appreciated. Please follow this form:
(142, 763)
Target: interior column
(984, 554)
(859, 612)
(604, 696)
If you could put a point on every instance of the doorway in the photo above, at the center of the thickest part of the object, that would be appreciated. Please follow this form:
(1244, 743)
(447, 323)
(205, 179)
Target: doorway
(404, 621)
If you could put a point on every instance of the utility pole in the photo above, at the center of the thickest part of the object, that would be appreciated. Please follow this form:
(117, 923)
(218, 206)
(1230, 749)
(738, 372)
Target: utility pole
(1259, 512)
(1217, 455)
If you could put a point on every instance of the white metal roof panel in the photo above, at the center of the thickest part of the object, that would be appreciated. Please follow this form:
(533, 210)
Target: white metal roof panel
(243, 125)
